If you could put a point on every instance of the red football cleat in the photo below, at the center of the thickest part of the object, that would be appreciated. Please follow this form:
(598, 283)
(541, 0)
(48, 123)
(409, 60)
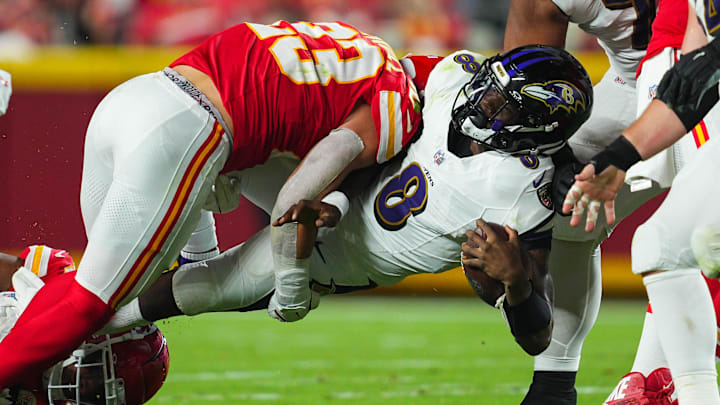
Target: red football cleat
(629, 391)
(635, 389)
(659, 387)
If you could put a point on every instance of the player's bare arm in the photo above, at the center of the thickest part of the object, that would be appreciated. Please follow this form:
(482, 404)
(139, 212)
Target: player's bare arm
(684, 97)
(360, 122)
(535, 22)
(526, 281)
(8, 266)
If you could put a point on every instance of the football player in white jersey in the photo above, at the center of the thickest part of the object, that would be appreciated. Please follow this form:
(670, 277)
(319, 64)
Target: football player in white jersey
(623, 31)
(489, 126)
(682, 235)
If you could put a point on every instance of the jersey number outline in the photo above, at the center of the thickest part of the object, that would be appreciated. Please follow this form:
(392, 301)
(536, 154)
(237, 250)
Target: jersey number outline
(712, 19)
(404, 195)
(642, 27)
(360, 57)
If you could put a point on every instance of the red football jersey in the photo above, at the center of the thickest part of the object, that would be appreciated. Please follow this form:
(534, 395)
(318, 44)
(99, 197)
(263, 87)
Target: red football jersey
(286, 86)
(418, 67)
(47, 262)
(668, 28)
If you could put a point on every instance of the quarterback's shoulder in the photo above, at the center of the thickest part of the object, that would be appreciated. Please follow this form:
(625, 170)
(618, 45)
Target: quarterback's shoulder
(450, 74)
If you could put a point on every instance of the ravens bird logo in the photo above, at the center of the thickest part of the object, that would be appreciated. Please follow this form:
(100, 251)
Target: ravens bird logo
(556, 94)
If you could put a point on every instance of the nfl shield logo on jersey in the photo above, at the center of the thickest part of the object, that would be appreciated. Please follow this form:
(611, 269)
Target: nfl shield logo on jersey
(439, 157)
(651, 91)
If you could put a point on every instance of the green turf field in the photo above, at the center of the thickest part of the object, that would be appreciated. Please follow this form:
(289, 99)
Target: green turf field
(366, 350)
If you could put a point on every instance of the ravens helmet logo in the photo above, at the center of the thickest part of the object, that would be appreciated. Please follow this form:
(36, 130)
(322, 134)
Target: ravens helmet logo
(556, 94)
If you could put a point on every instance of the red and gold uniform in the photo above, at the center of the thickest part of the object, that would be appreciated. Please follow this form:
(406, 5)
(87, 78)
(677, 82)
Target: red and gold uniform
(313, 75)
(155, 146)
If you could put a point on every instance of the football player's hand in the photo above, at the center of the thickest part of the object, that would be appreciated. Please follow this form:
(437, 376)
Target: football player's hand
(311, 212)
(589, 192)
(496, 256)
(684, 87)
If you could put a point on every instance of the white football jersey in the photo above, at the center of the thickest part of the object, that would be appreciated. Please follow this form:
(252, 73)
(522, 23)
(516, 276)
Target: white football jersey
(412, 219)
(621, 27)
(708, 16)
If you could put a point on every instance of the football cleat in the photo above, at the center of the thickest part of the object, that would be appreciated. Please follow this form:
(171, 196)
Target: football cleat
(635, 389)
(629, 391)
(659, 387)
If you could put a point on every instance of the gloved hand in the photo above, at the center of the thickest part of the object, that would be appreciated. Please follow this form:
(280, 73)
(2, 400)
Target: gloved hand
(690, 88)
(563, 179)
(225, 196)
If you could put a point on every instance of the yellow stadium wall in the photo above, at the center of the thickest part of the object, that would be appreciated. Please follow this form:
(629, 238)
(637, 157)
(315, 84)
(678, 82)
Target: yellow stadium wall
(55, 90)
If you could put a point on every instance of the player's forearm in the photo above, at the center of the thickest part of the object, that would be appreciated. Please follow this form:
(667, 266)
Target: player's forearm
(656, 129)
(535, 22)
(530, 319)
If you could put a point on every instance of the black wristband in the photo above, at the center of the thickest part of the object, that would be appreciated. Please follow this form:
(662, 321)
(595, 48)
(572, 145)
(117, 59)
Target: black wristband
(620, 153)
(528, 317)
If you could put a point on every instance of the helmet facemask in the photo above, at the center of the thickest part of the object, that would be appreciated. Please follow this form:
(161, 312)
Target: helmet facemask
(87, 377)
(486, 111)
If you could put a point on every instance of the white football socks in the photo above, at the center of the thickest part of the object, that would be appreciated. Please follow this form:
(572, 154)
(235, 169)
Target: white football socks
(126, 317)
(650, 355)
(685, 319)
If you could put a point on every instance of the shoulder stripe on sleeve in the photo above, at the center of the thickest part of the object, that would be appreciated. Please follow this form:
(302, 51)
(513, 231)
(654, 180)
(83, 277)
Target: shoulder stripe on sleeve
(391, 127)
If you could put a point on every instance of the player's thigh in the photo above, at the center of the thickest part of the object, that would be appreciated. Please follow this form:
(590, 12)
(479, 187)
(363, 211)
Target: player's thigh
(613, 111)
(165, 153)
(685, 230)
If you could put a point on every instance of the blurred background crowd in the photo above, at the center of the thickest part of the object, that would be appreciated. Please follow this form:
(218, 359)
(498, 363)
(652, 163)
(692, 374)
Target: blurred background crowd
(423, 26)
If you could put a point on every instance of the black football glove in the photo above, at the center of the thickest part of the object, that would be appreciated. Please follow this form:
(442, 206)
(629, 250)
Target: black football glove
(566, 167)
(690, 88)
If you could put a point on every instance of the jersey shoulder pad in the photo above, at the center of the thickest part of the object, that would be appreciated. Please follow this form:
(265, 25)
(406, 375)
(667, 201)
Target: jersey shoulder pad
(46, 262)
(450, 74)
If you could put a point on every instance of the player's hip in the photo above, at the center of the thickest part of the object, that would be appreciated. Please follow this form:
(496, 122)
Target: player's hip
(144, 107)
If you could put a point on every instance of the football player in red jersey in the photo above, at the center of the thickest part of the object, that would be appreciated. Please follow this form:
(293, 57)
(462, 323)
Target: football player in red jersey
(162, 145)
(135, 362)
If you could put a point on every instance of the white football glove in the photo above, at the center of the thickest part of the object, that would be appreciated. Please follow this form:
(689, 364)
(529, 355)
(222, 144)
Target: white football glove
(26, 285)
(225, 196)
(5, 90)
